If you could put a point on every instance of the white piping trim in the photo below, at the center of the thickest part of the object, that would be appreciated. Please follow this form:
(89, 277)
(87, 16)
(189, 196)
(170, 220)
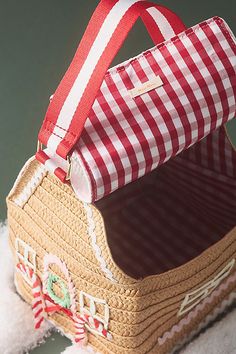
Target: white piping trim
(80, 179)
(31, 185)
(96, 248)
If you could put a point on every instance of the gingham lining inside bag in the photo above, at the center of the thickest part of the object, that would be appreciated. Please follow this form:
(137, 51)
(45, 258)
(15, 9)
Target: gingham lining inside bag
(172, 215)
(124, 137)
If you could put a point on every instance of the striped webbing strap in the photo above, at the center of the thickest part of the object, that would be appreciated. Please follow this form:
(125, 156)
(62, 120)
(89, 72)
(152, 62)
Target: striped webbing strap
(74, 97)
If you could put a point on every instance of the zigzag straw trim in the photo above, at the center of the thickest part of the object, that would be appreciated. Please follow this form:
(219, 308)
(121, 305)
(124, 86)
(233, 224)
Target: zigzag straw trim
(210, 318)
(191, 315)
(96, 248)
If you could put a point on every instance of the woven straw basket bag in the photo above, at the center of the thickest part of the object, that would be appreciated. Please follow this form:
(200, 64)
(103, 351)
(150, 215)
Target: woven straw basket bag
(123, 225)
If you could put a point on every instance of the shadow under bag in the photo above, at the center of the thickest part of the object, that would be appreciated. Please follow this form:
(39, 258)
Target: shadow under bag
(123, 224)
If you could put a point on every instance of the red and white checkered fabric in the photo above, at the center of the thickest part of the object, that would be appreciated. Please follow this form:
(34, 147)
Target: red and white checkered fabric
(124, 137)
(176, 212)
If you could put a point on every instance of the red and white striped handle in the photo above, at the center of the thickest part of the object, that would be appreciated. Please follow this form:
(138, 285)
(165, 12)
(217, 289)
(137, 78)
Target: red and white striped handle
(75, 95)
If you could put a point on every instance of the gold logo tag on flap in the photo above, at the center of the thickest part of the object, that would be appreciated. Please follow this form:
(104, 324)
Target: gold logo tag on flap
(146, 87)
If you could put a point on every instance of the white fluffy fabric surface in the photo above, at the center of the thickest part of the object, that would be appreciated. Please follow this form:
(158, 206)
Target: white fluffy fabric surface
(17, 334)
(75, 350)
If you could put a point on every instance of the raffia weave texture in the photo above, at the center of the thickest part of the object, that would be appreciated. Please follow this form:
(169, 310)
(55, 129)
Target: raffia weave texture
(53, 221)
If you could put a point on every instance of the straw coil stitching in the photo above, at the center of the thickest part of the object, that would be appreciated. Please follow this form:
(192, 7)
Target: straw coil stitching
(217, 311)
(29, 188)
(42, 304)
(210, 318)
(96, 248)
(129, 305)
(191, 315)
(129, 302)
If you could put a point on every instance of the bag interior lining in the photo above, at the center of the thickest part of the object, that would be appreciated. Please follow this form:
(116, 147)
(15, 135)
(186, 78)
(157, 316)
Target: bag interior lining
(173, 214)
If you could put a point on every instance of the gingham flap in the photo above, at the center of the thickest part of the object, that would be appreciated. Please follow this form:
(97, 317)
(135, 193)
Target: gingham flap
(147, 110)
(124, 138)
